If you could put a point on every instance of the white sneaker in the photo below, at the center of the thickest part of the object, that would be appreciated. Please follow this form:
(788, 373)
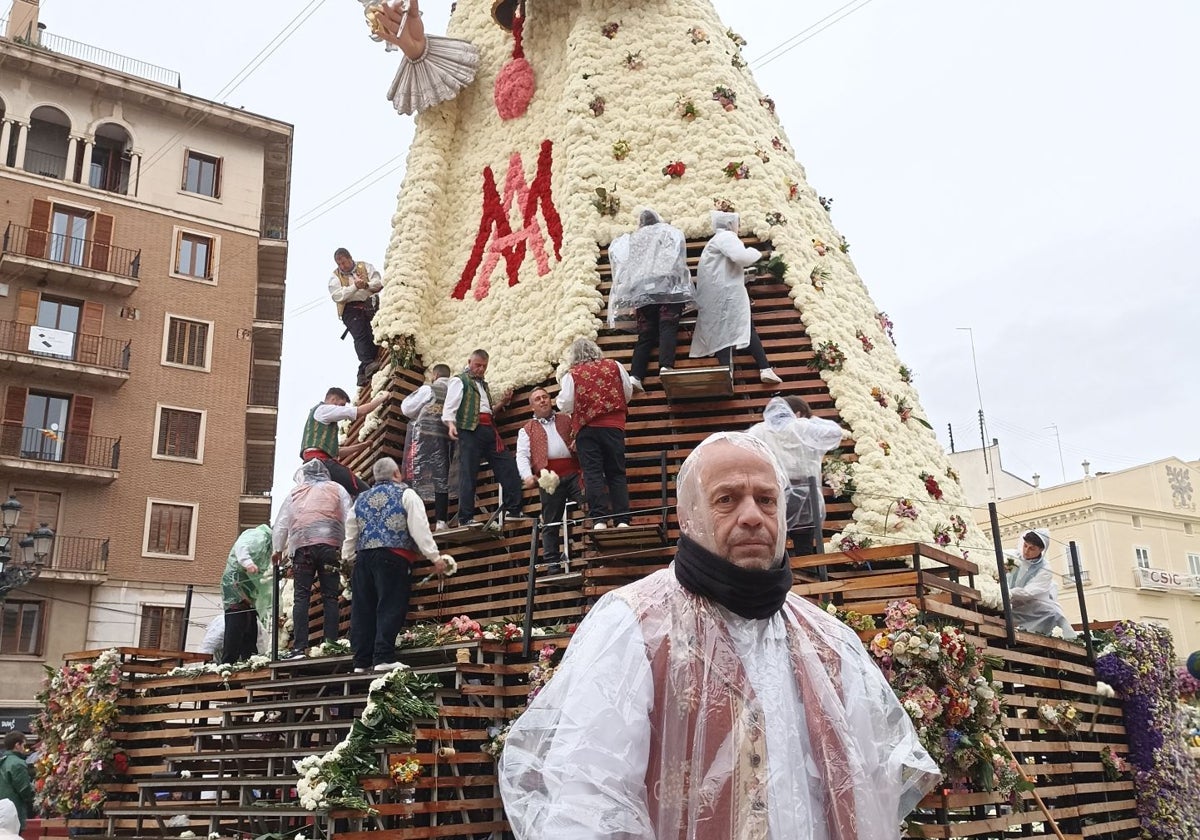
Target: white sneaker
(666, 370)
(360, 670)
(599, 526)
(622, 524)
(442, 525)
(637, 384)
(390, 666)
(769, 377)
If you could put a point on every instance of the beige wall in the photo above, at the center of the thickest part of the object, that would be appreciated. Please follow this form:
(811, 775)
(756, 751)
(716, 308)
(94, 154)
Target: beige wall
(1099, 514)
(983, 477)
(64, 630)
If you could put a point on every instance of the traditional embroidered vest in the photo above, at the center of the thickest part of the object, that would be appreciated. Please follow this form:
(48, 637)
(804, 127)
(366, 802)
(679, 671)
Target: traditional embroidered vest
(382, 518)
(539, 442)
(467, 417)
(323, 436)
(360, 272)
(698, 720)
(598, 391)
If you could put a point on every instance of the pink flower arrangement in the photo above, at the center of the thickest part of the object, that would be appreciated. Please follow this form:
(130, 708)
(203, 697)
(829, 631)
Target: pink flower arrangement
(865, 340)
(610, 29)
(905, 509)
(879, 397)
(726, 97)
(737, 170)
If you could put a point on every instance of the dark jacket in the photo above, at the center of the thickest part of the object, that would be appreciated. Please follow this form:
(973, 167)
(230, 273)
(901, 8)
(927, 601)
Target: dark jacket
(15, 784)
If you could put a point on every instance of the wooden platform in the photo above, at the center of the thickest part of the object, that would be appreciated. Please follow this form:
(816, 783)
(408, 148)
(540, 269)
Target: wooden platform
(697, 383)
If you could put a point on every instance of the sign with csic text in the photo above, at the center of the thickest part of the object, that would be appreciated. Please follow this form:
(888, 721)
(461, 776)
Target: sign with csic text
(1166, 581)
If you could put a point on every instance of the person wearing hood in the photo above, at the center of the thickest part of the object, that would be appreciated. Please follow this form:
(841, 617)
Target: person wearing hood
(799, 441)
(10, 821)
(311, 527)
(708, 700)
(245, 592)
(723, 321)
(651, 282)
(1033, 592)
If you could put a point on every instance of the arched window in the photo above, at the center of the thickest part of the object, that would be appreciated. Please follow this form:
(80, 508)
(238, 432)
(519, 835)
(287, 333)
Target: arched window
(49, 136)
(110, 164)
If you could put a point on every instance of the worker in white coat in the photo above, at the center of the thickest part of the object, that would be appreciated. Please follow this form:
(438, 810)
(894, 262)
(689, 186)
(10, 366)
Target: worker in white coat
(723, 306)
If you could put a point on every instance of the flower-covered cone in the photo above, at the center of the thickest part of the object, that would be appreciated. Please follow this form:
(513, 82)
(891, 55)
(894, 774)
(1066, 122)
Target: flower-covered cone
(499, 225)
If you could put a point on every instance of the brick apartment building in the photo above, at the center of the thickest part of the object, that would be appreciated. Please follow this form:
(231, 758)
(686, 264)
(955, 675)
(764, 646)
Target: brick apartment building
(141, 314)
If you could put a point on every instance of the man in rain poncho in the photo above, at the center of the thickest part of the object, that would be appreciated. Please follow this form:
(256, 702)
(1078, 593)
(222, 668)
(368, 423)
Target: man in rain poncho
(246, 592)
(722, 304)
(429, 466)
(311, 527)
(1033, 591)
(708, 701)
(799, 441)
(651, 281)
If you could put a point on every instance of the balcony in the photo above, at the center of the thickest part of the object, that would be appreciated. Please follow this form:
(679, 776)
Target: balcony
(45, 453)
(78, 558)
(273, 226)
(46, 163)
(268, 308)
(63, 357)
(38, 256)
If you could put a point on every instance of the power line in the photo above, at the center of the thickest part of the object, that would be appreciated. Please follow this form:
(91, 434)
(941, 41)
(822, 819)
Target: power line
(763, 62)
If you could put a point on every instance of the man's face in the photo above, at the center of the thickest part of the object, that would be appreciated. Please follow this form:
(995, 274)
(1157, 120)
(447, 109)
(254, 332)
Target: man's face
(739, 507)
(539, 401)
(477, 366)
(345, 264)
(1030, 551)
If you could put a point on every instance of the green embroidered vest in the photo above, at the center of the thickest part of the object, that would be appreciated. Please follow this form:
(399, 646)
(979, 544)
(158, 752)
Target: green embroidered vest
(323, 436)
(467, 417)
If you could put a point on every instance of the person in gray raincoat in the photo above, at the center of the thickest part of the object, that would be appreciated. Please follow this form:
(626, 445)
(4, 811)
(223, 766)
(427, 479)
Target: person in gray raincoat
(1033, 591)
(722, 304)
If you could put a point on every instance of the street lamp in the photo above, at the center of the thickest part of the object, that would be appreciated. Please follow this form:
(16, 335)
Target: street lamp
(19, 569)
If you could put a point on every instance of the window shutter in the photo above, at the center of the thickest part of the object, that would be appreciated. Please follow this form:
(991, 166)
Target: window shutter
(217, 177)
(79, 427)
(91, 328)
(14, 418)
(102, 231)
(27, 306)
(151, 628)
(39, 229)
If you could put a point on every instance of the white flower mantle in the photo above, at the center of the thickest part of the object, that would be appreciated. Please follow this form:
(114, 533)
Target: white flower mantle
(526, 327)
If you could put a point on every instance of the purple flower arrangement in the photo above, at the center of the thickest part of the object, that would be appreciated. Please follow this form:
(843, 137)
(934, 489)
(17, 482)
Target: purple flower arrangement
(1139, 665)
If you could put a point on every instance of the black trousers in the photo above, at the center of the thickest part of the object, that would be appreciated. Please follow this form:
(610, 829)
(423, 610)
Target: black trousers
(756, 350)
(241, 632)
(382, 583)
(554, 505)
(475, 447)
(340, 474)
(320, 562)
(357, 318)
(658, 324)
(601, 453)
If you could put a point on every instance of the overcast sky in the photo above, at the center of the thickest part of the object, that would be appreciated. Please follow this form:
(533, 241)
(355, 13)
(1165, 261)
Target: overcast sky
(1029, 170)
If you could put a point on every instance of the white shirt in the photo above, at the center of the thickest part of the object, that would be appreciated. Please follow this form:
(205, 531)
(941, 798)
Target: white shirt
(556, 447)
(412, 404)
(329, 414)
(351, 293)
(418, 528)
(454, 395)
(566, 393)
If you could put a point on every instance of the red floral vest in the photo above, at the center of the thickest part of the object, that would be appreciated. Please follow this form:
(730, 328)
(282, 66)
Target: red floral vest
(599, 395)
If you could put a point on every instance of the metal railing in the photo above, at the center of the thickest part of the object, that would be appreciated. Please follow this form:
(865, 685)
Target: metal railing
(263, 392)
(72, 250)
(268, 305)
(45, 163)
(110, 353)
(55, 446)
(273, 226)
(258, 481)
(105, 58)
(79, 554)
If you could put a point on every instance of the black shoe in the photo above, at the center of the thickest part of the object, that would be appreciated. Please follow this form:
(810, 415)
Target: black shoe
(553, 569)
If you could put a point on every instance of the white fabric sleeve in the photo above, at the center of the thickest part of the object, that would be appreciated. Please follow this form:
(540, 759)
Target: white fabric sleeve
(412, 404)
(819, 433)
(418, 524)
(728, 243)
(242, 552)
(626, 382)
(340, 293)
(283, 521)
(329, 414)
(214, 635)
(374, 278)
(350, 544)
(454, 395)
(1041, 587)
(347, 505)
(574, 764)
(566, 393)
(524, 467)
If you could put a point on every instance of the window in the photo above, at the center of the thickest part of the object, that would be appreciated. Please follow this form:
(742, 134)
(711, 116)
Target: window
(1142, 555)
(21, 628)
(170, 529)
(45, 426)
(62, 317)
(68, 235)
(186, 343)
(193, 256)
(179, 433)
(161, 628)
(1194, 564)
(202, 175)
(1188, 529)
(37, 506)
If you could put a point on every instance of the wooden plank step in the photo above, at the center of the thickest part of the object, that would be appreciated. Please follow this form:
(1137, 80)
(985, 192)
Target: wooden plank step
(635, 536)
(688, 383)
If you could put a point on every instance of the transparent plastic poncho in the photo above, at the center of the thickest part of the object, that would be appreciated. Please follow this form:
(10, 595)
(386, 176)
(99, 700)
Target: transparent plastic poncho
(314, 512)
(672, 717)
(798, 443)
(1033, 593)
(649, 266)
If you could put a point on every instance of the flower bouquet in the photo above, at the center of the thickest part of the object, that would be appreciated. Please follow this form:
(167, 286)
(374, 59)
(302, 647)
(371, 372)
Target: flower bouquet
(698, 35)
(686, 108)
(620, 150)
(725, 97)
(548, 480)
(737, 170)
(865, 340)
(606, 203)
(610, 29)
(819, 277)
(675, 169)
(828, 356)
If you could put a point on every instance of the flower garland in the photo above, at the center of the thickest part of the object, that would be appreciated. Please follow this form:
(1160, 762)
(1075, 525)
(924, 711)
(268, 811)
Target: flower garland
(463, 628)
(1138, 663)
(79, 711)
(394, 702)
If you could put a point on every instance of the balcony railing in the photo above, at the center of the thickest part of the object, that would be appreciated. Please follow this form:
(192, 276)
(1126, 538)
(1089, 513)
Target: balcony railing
(79, 554)
(273, 226)
(268, 305)
(113, 61)
(32, 340)
(55, 446)
(259, 481)
(46, 163)
(72, 250)
(264, 391)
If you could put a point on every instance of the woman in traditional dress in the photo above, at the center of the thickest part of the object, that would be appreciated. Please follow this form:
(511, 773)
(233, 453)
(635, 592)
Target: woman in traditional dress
(434, 69)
